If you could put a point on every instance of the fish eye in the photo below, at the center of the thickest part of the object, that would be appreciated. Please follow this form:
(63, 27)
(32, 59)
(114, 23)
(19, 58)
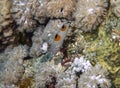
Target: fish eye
(63, 28)
(57, 37)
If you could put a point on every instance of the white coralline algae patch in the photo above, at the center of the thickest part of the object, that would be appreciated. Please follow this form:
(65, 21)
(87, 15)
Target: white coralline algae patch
(90, 76)
(81, 74)
(68, 78)
(95, 77)
(90, 13)
(80, 64)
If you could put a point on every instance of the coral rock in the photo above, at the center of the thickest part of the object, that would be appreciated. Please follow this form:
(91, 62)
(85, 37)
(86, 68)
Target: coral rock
(36, 50)
(14, 68)
(115, 4)
(6, 25)
(58, 8)
(89, 13)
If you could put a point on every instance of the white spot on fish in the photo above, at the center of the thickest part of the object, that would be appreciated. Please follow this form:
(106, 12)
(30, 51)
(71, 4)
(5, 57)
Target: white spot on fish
(44, 47)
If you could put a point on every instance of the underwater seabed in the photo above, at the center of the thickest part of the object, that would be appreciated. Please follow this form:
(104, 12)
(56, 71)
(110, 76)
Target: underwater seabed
(102, 47)
(86, 59)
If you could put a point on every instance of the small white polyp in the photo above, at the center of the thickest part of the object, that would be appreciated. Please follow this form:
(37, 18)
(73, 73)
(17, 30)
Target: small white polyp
(44, 47)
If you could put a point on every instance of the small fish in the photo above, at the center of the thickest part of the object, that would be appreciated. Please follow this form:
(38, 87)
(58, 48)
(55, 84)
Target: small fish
(55, 37)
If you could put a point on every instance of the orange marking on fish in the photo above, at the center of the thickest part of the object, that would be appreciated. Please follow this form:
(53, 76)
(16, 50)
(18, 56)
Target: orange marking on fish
(57, 37)
(63, 28)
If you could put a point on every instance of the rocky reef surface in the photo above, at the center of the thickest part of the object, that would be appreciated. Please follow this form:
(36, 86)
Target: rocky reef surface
(59, 44)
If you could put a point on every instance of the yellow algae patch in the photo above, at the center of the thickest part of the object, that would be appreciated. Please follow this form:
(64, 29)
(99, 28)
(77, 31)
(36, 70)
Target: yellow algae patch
(110, 68)
(105, 51)
(117, 82)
